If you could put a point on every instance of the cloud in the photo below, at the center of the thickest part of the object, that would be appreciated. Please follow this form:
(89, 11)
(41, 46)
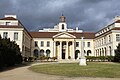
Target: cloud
(89, 15)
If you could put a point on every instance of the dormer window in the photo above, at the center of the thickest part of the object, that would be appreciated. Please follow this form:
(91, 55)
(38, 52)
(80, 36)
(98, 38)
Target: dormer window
(62, 26)
(7, 23)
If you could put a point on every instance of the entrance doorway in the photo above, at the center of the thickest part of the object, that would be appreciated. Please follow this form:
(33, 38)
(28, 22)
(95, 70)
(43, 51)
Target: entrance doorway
(63, 53)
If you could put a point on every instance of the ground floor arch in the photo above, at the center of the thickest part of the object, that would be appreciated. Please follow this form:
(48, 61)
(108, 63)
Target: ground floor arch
(48, 53)
(77, 52)
(41, 52)
(88, 52)
(35, 53)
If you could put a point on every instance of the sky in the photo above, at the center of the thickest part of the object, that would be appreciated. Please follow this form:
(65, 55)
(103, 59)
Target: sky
(88, 15)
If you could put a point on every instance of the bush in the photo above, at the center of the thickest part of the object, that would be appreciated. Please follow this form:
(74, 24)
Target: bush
(54, 58)
(30, 59)
(42, 57)
(69, 57)
(117, 54)
(100, 58)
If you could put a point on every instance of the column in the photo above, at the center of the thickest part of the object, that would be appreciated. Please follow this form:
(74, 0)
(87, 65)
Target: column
(60, 50)
(66, 54)
(54, 55)
(73, 50)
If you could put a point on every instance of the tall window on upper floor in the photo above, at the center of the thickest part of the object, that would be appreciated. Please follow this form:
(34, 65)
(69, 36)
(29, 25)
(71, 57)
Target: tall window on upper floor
(63, 26)
(83, 44)
(36, 43)
(77, 44)
(48, 43)
(117, 37)
(104, 40)
(15, 35)
(109, 38)
(5, 34)
(88, 44)
(42, 43)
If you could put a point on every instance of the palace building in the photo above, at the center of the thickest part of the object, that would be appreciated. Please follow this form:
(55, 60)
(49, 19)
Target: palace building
(61, 41)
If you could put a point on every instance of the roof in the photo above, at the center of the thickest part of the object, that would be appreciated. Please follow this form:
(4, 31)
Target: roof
(8, 18)
(10, 26)
(86, 35)
(116, 28)
(118, 21)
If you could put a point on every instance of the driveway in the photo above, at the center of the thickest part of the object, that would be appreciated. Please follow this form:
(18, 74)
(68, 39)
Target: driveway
(22, 73)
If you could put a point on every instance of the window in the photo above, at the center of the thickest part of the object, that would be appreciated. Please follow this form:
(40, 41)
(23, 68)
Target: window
(5, 34)
(109, 38)
(104, 40)
(117, 37)
(7, 23)
(36, 44)
(48, 43)
(15, 35)
(83, 44)
(62, 26)
(88, 44)
(42, 43)
(77, 44)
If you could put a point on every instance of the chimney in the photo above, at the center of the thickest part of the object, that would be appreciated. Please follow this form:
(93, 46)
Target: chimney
(76, 28)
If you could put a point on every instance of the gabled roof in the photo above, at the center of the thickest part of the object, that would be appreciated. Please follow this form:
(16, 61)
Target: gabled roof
(86, 35)
(8, 18)
(64, 35)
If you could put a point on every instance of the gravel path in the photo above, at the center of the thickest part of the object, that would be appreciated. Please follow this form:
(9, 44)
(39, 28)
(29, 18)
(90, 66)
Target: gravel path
(22, 73)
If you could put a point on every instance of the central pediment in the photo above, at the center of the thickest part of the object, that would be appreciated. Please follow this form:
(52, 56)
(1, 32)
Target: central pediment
(64, 35)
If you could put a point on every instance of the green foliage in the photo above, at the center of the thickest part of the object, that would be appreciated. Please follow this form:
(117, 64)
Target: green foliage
(117, 54)
(9, 53)
(100, 58)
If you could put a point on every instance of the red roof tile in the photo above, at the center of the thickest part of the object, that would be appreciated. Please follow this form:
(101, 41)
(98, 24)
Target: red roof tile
(8, 18)
(116, 28)
(118, 21)
(4, 26)
(86, 35)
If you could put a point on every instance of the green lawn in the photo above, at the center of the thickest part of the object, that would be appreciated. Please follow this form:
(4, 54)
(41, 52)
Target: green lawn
(93, 69)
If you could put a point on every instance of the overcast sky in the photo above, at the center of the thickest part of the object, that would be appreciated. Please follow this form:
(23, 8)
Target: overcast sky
(89, 15)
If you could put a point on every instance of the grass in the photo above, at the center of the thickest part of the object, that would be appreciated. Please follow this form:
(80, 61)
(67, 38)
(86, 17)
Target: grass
(93, 69)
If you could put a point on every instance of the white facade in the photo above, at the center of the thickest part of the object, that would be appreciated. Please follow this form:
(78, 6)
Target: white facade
(11, 28)
(60, 41)
(65, 43)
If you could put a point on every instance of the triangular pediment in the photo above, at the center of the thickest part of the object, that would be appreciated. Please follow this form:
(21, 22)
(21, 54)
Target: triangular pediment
(64, 35)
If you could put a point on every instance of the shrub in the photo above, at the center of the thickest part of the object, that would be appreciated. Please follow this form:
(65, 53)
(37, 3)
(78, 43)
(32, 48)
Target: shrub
(117, 54)
(69, 57)
(54, 58)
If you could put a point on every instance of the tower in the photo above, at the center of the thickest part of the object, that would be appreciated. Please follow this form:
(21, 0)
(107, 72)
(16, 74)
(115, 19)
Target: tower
(62, 23)
(62, 18)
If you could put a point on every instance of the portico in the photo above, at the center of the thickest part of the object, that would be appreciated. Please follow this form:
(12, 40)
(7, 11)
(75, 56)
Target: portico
(64, 49)
(64, 46)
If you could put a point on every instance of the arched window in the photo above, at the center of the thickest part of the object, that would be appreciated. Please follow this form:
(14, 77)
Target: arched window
(48, 53)
(62, 26)
(88, 52)
(41, 52)
(35, 53)
(76, 54)
(110, 50)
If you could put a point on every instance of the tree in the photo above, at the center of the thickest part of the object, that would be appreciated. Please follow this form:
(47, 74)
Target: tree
(9, 53)
(117, 54)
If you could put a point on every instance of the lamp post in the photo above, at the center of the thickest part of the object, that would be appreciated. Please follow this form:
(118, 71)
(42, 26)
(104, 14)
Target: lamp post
(82, 56)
